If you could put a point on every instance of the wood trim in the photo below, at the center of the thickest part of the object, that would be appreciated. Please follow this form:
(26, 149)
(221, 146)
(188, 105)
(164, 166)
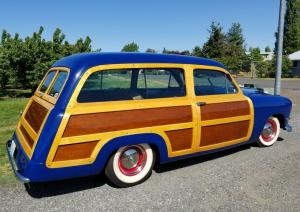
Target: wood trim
(75, 151)
(224, 110)
(180, 139)
(215, 134)
(27, 137)
(128, 119)
(35, 115)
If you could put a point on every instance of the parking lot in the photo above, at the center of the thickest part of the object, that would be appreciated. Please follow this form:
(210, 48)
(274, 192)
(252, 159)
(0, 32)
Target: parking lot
(246, 178)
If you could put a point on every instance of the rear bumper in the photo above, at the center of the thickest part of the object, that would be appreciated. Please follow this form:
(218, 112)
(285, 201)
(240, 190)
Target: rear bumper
(14, 166)
(287, 126)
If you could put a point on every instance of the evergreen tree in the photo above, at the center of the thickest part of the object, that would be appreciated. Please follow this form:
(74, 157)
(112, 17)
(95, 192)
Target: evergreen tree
(131, 47)
(197, 51)
(267, 49)
(149, 50)
(291, 40)
(215, 46)
(235, 56)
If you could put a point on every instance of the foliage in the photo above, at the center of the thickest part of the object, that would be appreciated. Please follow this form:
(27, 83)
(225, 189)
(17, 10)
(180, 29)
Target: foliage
(291, 40)
(149, 50)
(215, 46)
(255, 55)
(131, 47)
(268, 49)
(197, 51)
(185, 52)
(9, 115)
(268, 68)
(23, 62)
(235, 57)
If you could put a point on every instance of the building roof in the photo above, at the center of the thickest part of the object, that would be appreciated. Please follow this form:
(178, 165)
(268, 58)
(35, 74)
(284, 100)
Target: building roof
(295, 55)
(82, 62)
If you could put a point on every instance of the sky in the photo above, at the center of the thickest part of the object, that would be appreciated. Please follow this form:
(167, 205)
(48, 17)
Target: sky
(171, 24)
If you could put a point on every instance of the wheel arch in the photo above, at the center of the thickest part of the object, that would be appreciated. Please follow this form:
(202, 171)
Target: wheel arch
(155, 141)
(280, 118)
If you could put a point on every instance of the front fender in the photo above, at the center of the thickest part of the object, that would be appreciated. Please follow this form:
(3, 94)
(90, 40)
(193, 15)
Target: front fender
(265, 106)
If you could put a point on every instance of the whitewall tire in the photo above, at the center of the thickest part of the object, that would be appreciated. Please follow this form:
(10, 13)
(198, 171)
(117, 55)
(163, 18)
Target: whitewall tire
(130, 165)
(270, 132)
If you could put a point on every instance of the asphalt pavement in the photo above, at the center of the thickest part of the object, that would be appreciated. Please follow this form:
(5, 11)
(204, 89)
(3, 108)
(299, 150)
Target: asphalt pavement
(246, 178)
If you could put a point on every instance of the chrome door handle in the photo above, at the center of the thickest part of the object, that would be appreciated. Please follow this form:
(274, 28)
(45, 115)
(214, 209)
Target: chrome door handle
(201, 104)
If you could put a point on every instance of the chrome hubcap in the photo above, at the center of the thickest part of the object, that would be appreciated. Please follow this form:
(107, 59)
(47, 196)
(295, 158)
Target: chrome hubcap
(132, 160)
(269, 131)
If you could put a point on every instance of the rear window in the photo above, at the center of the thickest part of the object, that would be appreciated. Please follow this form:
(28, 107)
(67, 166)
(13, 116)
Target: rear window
(54, 82)
(132, 84)
(47, 81)
(58, 84)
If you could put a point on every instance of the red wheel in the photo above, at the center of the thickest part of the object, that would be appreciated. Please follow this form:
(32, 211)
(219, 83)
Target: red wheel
(130, 165)
(270, 132)
(132, 160)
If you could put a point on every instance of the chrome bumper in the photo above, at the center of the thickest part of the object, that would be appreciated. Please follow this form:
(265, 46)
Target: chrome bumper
(14, 165)
(287, 126)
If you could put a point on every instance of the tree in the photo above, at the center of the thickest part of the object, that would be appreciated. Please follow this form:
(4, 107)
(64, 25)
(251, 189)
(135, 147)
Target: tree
(291, 39)
(255, 55)
(185, 52)
(267, 49)
(235, 56)
(215, 46)
(197, 51)
(23, 62)
(149, 50)
(131, 47)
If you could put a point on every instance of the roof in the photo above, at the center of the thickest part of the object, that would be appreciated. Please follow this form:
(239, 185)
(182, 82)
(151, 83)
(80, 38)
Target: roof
(82, 62)
(295, 55)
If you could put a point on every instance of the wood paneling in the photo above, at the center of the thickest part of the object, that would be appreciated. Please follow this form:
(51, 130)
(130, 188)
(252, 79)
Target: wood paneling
(123, 120)
(27, 137)
(223, 132)
(75, 151)
(224, 110)
(180, 139)
(35, 115)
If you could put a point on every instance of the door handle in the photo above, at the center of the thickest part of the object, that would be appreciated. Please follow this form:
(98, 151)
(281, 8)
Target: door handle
(201, 104)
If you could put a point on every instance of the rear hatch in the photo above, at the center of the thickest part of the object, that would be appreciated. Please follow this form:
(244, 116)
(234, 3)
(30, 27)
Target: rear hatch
(39, 107)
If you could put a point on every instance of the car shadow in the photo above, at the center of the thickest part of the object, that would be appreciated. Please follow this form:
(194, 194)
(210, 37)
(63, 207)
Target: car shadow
(55, 188)
(199, 159)
(48, 189)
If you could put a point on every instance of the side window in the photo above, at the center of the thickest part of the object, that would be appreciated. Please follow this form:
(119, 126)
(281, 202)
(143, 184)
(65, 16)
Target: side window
(47, 81)
(210, 82)
(58, 84)
(132, 84)
(161, 83)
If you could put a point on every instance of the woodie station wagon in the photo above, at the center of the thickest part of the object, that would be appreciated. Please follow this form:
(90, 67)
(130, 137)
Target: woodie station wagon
(122, 112)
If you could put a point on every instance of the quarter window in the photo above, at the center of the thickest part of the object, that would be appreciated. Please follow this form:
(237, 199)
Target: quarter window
(47, 81)
(58, 84)
(210, 82)
(132, 84)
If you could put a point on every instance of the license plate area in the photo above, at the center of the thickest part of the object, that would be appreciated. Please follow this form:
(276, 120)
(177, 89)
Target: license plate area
(12, 149)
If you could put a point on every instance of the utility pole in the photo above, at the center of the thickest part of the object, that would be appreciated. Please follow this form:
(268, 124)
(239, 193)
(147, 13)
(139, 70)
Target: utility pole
(279, 47)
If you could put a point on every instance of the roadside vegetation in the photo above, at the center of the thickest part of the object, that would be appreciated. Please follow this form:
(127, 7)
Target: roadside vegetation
(10, 109)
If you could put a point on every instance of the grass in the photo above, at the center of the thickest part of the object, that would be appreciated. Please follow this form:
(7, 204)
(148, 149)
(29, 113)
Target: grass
(10, 109)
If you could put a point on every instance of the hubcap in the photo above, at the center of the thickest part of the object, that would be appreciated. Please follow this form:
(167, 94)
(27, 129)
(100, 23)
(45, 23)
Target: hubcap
(132, 160)
(269, 130)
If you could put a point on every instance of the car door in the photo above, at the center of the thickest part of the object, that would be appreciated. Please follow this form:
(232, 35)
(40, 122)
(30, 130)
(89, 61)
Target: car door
(225, 114)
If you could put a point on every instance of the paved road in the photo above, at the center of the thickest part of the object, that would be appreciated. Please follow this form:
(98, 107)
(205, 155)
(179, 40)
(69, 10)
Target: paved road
(242, 179)
(293, 84)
